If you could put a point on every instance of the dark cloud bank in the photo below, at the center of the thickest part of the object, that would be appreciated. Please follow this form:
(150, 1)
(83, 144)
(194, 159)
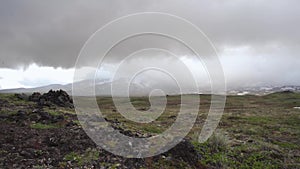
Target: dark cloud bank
(52, 33)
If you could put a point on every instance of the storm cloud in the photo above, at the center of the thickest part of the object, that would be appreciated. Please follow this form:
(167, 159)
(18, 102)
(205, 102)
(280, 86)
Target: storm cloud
(255, 33)
(52, 33)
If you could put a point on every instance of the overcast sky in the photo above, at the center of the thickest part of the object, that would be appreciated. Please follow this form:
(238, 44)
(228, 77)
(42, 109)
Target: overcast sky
(258, 41)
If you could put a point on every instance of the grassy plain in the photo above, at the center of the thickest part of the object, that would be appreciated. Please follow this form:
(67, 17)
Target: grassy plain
(254, 132)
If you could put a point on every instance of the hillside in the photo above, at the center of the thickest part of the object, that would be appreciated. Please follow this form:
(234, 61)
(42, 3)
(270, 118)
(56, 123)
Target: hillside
(255, 132)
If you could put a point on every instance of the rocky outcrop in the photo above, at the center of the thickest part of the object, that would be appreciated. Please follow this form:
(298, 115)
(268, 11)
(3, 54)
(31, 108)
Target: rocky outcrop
(58, 98)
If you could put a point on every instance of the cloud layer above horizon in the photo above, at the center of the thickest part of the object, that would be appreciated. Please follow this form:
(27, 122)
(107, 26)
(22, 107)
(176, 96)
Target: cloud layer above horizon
(258, 41)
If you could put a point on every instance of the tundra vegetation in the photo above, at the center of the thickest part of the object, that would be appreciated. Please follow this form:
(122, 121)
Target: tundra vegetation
(254, 132)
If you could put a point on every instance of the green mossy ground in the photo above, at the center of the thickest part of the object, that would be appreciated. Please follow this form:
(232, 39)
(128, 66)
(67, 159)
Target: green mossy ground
(254, 132)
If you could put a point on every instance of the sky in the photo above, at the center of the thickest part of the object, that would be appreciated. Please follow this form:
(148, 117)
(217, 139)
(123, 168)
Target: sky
(258, 42)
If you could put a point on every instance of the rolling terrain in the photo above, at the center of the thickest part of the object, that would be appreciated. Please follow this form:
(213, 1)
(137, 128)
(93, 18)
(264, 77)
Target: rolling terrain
(255, 132)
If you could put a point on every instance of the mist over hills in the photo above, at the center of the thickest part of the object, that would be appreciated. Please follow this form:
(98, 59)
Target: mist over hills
(42, 89)
(103, 88)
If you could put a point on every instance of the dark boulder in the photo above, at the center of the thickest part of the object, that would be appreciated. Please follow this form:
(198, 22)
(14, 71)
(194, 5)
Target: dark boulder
(3, 103)
(45, 116)
(35, 97)
(41, 116)
(58, 98)
(58, 118)
(22, 96)
(21, 114)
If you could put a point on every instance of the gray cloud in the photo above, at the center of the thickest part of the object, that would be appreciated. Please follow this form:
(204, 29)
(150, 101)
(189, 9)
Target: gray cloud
(52, 33)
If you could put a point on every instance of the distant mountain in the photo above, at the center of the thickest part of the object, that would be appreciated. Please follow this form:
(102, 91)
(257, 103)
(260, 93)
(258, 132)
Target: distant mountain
(103, 88)
(45, 89)
(42, 89)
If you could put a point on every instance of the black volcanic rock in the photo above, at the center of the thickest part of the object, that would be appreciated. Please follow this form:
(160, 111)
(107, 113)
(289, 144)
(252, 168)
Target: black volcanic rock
(58, 98)
(22, 96)
(287, 92)
(35, 97)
